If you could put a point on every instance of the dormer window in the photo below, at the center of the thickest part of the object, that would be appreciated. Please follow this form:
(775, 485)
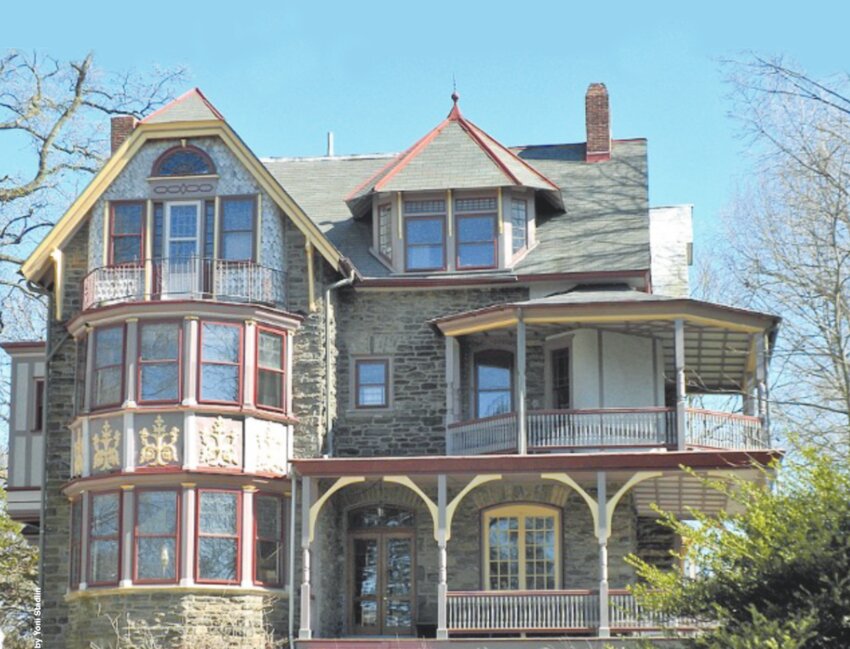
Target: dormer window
(519, 224)
(183, 161)
(425, 234)
(385, 242)
(477, 234)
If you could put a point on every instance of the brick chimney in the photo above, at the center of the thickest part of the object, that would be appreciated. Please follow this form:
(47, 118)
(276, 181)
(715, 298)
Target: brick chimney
(598, 120)
(122, 126)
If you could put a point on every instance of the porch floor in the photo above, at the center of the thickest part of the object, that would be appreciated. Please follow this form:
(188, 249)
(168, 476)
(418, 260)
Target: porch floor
(485, 643)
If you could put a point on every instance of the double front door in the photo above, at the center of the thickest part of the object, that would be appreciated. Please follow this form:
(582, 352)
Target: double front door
(382, 592)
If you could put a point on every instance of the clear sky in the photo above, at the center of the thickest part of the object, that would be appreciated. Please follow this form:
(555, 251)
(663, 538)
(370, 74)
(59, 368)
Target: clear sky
(379, 74)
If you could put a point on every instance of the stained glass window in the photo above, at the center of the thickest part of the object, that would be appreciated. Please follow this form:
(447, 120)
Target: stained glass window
(183, 161)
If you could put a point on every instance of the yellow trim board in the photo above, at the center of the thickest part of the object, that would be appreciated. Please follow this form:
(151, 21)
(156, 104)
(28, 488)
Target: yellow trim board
(35, 265)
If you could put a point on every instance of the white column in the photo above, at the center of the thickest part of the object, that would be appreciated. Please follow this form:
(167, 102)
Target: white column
(442, 584)
(84, 541)
(85, 432)
(190, 361)
(187, 525)
(247, 535)
(679, 354)
(89, 378)
(452, 380)
(761, 384)
(602, 533)
(127, 526)
(522, 436)
(129, 442)
(132, 347)
(249, 365)
(306, 631)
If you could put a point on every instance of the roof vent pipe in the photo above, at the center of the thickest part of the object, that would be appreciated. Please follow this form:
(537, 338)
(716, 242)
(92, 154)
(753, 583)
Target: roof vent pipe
(330, 144)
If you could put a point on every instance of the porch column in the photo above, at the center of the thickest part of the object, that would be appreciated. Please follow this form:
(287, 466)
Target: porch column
(132, 351)
(452, 380)
(602, 537)
(306, 631)
(679, 352)
(522, 437)
(761, 384)
(442, 586)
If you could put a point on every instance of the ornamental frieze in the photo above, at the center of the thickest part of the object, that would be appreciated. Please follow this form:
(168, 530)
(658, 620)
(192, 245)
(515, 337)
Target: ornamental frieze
(271, 448)
(220, 444)
(106, 449)
(158, 446)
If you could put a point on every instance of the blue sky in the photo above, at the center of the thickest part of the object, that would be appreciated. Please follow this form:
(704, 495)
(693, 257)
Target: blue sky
(379, 74)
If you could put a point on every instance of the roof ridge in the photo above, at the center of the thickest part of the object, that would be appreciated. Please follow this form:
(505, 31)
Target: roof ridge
(182, 98)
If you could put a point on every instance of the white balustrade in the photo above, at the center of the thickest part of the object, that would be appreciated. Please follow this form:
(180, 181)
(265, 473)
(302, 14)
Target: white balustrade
(491, 435)
(609, 427)
(556, 610)
(724, 430)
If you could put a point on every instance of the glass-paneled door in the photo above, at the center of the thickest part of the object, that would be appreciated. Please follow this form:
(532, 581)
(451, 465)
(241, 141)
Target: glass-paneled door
(182, 267)
(382, 583)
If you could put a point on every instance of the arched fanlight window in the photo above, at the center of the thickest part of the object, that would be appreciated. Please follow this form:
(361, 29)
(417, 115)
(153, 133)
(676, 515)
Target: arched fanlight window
(183, 161)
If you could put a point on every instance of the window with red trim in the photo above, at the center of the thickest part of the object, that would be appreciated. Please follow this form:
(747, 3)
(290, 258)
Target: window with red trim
(477, 235)
(221, 362)
(268, 540)
(217, 544)
(108, 379)
(236, 228)
(425, 234)
(104, 534)
(126, 233)
(76, 541)
(271, 369)
(156, 548)
(159, 362)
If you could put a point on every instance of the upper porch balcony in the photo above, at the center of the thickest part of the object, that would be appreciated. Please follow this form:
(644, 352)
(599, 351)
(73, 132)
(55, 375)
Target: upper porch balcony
(596, 370)
(185, 278)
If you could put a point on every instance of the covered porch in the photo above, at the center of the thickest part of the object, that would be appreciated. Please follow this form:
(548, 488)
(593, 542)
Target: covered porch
(606, 370)
(504, 546)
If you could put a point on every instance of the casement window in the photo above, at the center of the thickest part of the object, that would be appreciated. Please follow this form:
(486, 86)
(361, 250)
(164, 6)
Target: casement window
(217, 543)
(522, 548)
(385, 244)
(271, 369)
(183, 161)
(76, 542)
(159, 362)
(126, 233)
(108, 380)
(493, 383)
(156, 548)
(560, 362)
(221, 363)
(477, 234)
(236, 228)
(425, 235)
(38, 406)
(268, 540)
(371, 382)
(519, 224)
(104, 530)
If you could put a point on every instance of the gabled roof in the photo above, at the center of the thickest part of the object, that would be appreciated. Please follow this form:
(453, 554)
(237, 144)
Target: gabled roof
(455, 155)
(190, 115)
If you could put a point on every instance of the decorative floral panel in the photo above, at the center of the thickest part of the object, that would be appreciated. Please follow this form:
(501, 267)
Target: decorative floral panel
(219, 442)
(105, 438)
(159, 440)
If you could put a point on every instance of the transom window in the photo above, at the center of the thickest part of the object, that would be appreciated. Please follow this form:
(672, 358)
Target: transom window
(425, 234)
(221, 367)
(218, 536)
(126, 233)
(105, 527)
(271, 369)
(493, 383)
(183, 161)
(159, 362)
(522, 548)
(371, 377)
(108, 366)
(156, 550)
(519, 224)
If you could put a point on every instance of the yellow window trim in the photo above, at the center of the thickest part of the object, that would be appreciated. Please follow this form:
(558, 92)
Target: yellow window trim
(521, 512)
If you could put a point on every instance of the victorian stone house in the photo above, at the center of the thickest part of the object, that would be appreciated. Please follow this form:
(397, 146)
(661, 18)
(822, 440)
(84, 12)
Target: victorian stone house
(428, 396)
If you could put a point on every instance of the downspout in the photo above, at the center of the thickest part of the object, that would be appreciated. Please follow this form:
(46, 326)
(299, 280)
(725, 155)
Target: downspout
(348, 281)
(294, 499)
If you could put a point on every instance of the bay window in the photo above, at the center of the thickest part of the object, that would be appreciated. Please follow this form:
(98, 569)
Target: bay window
(268, 540)
(156, 547)
(104, 529)
(522, 548)
(271, 374)
(425, 234)
(159, 362)
(217, 544)
(519, 224)
(221, 362)
(126, 233)
(236, 228)
(477, 235)
(108, 380)
(493, 383)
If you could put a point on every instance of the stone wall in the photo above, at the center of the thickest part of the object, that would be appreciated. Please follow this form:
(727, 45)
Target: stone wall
(655, 543)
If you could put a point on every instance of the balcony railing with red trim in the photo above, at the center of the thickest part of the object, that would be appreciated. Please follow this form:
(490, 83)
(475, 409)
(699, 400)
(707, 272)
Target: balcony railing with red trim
(192, 278)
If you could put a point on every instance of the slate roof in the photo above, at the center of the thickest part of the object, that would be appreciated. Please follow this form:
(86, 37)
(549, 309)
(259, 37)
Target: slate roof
(191, 106)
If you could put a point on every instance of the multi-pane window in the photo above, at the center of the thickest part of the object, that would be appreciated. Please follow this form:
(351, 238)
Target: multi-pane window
(561, 378)
(522, 548)
(519, 224)
(268, 541)
(104, 529)
(108, 366)
(218, 536)
(425, 229)
(371, 378)
(493, 394)
(156, 549)
(183, 161)
(221, 353)
(236, 229)
(385, 244)
(271, 359)
(126, 233)
(476, 232)
(159, 362)
(76, 541)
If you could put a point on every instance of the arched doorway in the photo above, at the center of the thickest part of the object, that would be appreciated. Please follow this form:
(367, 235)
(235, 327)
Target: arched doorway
(382, 559)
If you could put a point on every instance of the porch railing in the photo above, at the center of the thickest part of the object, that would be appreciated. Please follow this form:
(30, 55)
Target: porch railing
(193, 278)
(569, 430)
(542, 610)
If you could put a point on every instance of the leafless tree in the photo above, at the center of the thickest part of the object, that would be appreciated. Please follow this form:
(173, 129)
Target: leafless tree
(789, 237)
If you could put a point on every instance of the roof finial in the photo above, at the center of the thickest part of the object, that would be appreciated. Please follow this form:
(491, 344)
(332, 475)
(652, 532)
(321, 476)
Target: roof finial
(455, 112)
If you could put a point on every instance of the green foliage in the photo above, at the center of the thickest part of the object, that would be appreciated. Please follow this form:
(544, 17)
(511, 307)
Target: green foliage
(18, 581)
(775, 575)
